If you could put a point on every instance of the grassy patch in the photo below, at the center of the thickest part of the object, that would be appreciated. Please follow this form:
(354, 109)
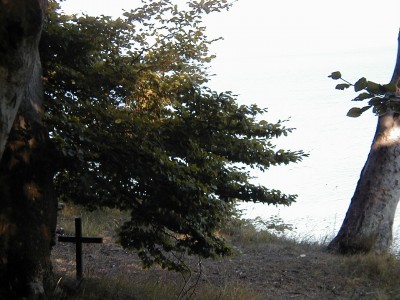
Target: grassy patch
(104, 221)
(372, 265)
(383, 270)
(120, 288)
(258, 231)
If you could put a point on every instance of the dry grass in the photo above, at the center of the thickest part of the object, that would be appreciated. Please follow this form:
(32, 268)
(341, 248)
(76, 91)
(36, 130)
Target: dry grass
(121, 288)
(254, 232)
(369, 276)
(103, 221)
(384, 270)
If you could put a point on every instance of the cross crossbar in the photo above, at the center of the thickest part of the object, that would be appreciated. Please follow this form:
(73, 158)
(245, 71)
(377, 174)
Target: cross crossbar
(78, 239)
(83, 239)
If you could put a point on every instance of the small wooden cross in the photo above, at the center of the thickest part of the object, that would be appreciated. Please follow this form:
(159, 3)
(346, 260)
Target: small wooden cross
(78, 239)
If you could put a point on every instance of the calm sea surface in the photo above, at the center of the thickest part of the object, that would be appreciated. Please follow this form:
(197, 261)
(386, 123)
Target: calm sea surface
(297, 87)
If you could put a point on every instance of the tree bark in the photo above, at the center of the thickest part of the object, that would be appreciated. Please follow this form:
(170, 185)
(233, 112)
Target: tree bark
(369, 220)
(20, 28)
(28, 208)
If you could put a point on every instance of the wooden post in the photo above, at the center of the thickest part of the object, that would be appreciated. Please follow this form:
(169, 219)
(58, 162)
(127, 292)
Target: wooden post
(78, 239)
(78, 244)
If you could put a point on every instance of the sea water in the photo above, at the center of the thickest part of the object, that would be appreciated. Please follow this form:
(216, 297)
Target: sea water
(297, 87)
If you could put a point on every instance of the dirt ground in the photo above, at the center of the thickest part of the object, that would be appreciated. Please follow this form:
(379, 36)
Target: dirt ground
(277, 270)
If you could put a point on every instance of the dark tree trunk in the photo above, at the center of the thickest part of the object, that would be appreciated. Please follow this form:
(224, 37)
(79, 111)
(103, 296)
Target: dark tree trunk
(369, 219)
(20, 28)
(28, 208)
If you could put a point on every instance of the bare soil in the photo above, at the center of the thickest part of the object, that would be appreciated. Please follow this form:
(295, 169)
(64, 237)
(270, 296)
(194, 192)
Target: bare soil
(274, 270)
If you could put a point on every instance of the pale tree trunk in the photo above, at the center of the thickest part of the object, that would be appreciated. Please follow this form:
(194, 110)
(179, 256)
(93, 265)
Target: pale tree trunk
(28, 207)
(369, 220)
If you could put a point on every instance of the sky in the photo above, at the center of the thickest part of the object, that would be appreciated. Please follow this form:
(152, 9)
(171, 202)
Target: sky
(258, 32)
(293, 23)
(278, 54)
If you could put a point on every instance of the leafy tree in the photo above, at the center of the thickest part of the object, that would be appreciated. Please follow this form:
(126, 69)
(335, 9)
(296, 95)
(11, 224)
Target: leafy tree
(139, 131)
(369, 219)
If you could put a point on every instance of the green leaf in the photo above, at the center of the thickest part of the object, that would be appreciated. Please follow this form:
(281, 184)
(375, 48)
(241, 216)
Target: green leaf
(375, 101)
(365, 108)
(360, 84)
(355, 112)
(363, 96)
(380, 109)
(389, 88)
(342, 86)
(335, 75)
(373, 87)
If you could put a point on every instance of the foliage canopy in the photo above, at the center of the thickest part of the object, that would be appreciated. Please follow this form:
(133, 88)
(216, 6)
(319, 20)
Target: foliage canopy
(136, 128)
